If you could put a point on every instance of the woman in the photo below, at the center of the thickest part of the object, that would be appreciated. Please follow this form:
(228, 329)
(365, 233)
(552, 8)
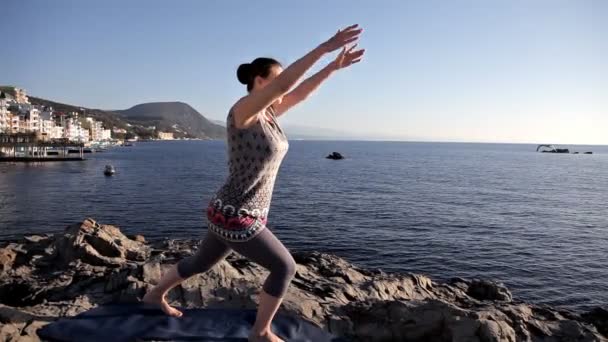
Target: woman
(256, 146)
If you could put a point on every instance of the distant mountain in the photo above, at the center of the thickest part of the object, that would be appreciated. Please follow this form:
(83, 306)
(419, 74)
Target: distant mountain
(177, 117)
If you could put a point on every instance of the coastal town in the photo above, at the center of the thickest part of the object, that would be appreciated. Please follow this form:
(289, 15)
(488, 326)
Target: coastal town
(40, 132)
(18, 115)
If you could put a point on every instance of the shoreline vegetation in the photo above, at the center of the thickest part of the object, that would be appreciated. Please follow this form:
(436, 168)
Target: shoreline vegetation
(47, 277)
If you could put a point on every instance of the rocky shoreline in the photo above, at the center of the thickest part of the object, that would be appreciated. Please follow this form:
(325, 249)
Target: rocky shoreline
(47, 277)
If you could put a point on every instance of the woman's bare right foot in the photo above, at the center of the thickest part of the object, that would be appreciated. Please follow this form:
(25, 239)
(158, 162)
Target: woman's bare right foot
(267, 336)
(159, 299)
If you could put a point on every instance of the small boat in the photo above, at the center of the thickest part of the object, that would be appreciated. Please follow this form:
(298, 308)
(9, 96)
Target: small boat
(551, 149)
(109, 170)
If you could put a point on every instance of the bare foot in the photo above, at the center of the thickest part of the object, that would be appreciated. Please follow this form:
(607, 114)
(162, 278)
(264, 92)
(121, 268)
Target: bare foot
(159, 299)
(267, 336)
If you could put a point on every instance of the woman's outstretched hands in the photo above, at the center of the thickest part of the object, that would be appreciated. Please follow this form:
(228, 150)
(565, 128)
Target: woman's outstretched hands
(348, 57)
(342, 38)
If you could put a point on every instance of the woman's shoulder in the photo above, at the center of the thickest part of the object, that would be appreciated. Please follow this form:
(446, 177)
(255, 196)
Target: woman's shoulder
(230, 119)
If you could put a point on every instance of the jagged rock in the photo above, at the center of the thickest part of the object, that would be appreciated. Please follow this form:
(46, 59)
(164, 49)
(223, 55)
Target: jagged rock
(91, 264)
(482, 289)
(599, 318)
(487, 290)
(36, 238)
(102, 245)
(138, 238)
(7, 258)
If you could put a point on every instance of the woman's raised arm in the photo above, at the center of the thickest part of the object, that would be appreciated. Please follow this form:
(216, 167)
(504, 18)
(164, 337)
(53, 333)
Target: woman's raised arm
(256, 101)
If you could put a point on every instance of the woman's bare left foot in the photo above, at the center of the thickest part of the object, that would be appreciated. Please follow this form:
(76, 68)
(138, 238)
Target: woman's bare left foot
(159, 299)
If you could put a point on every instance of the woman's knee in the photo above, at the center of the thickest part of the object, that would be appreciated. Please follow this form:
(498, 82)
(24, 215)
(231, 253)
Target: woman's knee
(187, 267)
(281, 274)
(286, 267)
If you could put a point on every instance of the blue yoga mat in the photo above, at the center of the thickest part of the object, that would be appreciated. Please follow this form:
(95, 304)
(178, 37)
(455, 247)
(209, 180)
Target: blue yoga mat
(140, 322)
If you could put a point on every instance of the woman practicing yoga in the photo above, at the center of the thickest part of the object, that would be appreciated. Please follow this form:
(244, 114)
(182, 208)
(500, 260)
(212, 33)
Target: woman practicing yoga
(237, 213)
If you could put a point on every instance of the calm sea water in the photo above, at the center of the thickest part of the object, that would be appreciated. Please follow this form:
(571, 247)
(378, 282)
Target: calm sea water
(537, 222)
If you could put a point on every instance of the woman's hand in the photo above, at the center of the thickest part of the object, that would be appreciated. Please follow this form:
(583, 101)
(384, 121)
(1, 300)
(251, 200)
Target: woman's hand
(342, 38)
(347, 57)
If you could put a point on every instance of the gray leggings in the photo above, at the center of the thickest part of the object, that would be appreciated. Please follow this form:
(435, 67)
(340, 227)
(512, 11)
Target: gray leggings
(265, 249)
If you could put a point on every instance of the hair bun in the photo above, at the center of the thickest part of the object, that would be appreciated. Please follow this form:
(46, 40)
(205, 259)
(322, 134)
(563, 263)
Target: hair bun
(243, 73)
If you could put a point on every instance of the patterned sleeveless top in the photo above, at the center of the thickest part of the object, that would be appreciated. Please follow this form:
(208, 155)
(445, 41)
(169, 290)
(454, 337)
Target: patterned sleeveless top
(239, 209)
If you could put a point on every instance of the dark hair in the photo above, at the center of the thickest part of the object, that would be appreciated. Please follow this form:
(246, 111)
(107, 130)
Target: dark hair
(247, 72)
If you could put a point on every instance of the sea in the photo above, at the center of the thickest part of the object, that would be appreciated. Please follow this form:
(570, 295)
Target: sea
(536, 222)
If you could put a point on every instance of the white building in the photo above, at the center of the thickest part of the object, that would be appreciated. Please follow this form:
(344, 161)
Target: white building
(73, 129)
(21, 96)
(15, 123)
(107, 134)
(31, 115)
(96, 129)
(4, 115)
(47, 124)
(57, 132)
(165, 135)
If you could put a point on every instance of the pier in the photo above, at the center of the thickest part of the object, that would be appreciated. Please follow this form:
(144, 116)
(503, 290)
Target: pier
(31, 147)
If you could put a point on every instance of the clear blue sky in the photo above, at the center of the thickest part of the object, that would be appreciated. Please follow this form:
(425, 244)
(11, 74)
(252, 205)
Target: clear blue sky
(498, 71)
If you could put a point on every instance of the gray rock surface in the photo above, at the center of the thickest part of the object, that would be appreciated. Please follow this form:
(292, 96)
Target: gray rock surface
(47, 277)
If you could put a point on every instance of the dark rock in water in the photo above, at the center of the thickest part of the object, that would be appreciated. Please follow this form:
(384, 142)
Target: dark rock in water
(588, 152)
(90, 264)
(335, 155)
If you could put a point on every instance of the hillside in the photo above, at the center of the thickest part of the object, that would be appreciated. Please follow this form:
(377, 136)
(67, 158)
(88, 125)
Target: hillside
(176, 117)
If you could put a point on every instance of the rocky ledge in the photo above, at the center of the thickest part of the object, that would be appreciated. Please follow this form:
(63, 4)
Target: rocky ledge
(47, 277)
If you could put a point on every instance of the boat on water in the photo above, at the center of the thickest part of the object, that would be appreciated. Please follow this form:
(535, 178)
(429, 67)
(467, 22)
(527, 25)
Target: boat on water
(109, 170)
(551, 149)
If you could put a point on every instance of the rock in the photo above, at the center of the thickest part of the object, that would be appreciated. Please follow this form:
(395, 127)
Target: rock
(487, 290)
(151, 272)
(335, 156)
(599, 318)
(101, 245)
(11, 332)
(482, 289)
(91, 264)
(7, 258)
(492, 331)
(35, 238)
(138, 238)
